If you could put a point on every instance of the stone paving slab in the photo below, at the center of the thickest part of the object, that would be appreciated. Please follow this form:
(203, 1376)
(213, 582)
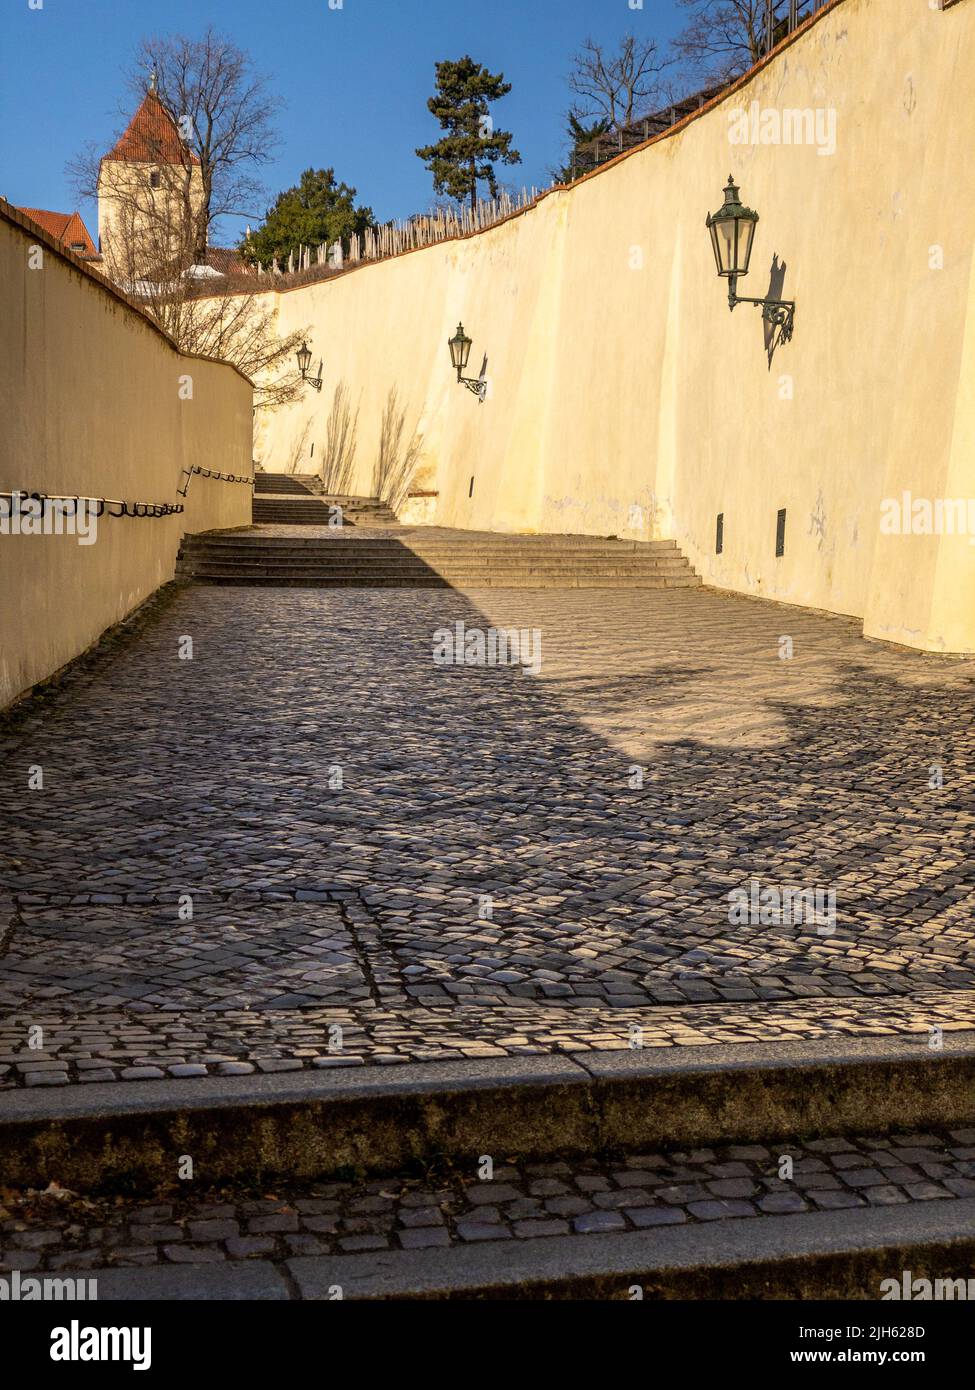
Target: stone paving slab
(92, 958)
(520, 1202)
(463, 858)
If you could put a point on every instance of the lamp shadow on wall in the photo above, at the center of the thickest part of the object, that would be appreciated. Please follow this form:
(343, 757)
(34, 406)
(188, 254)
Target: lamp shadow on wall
(776, 281)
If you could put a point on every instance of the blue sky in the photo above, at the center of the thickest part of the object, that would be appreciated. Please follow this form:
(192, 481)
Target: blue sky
(355, 81)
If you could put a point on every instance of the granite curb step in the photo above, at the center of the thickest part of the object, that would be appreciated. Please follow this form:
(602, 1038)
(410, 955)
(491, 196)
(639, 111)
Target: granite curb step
(382, 1119)
(820, 1255)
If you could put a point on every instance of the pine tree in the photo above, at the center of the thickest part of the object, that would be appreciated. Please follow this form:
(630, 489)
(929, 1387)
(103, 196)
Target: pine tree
(316, 211)
(581, 135)
(468, 153)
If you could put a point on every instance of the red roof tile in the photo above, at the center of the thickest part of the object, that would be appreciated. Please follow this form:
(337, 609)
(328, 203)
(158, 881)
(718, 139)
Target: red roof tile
(67, 228)
(152, 137)
(226, 260)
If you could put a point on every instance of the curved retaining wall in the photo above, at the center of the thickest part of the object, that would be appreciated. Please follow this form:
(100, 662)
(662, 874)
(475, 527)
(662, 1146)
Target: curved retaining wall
(626, 400)
(93, 401)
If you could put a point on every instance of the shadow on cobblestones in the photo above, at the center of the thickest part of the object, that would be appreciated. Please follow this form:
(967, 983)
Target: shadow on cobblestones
(360, 828)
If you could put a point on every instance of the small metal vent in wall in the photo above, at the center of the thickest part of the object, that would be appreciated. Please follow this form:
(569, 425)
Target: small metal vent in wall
(780, 533)
(470, 490)
(719, 534)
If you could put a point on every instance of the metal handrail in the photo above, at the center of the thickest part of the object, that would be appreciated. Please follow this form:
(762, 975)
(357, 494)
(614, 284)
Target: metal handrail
(210, 473)
(134, 509)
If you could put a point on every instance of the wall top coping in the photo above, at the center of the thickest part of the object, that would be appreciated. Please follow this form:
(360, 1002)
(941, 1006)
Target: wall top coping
(799, 32)
(15, 218)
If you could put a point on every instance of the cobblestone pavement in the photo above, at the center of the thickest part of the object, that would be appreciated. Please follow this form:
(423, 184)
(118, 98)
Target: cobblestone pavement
(56, 1229)
(310, 823)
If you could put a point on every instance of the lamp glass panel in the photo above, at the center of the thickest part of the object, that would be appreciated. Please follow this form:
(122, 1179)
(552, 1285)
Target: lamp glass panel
(304, 358)
(746, 235)
(713, 229)
(460, 346)
(725, 244)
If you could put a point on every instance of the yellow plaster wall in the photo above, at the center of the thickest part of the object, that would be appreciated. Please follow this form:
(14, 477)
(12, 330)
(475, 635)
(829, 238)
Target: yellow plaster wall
(626, 400)
(90, 404)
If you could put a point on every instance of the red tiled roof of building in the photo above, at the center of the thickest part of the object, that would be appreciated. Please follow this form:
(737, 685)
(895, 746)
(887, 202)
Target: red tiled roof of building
(152, 137)
(226, 260)
(67, 229)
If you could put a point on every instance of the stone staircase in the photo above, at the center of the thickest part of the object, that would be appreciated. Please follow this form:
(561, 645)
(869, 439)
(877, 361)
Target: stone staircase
(286, 499)
(291, 484)
(431, 557)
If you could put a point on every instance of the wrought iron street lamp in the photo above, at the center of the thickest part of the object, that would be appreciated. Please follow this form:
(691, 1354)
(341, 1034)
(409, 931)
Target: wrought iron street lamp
(460, 351)
(304, 362)
(732, 230)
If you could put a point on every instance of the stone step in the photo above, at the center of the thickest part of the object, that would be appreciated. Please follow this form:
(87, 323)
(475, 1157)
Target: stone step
(347, 503)
(496, 575)
(306, 1124)
(196, 564)
(420, 564)
(338, 553)
(280, 488)
(314, 513)
(454, 581)
(381, 547)
(456, 560)
(310, 508)
(311, 505)
(823, 1255)
(418, 539)
(284, 481)
(352, 570)
(266, 484)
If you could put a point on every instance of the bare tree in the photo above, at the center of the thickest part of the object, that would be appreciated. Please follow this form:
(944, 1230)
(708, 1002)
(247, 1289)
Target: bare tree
(341, 441)
(224, 112)
(238, 327)
(298, 446)
(723, 38)
(204, 133)
(399, 454)
(186, 159)
(615, 87)
(229, 316)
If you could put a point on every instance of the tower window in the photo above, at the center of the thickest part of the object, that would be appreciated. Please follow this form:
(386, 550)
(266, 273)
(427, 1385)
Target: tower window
(155, 178)
(719, 534)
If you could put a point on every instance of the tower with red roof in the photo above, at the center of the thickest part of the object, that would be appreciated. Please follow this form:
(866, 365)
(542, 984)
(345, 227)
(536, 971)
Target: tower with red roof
(149, 193)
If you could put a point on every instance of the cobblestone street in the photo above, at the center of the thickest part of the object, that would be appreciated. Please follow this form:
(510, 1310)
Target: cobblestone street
(465, 861)
(54, 1230)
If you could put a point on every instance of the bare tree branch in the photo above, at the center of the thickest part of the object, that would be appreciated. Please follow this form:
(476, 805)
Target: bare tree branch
(186, 165)
(724, 38)
(616, 87)
(224, 112)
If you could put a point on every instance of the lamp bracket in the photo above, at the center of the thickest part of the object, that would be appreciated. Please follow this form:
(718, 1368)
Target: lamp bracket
(780, 313)
(475, 385)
